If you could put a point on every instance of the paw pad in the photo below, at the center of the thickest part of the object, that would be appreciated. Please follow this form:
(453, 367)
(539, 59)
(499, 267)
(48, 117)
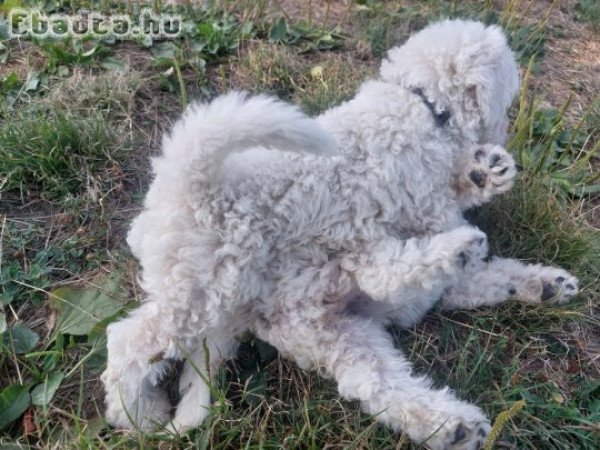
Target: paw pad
(470, 438)
(492, 169)
(474, 249)
(478, 178)
(460, 433)
(559, 289)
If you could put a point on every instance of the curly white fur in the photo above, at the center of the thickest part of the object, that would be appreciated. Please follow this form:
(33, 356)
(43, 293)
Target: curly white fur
(251, 223)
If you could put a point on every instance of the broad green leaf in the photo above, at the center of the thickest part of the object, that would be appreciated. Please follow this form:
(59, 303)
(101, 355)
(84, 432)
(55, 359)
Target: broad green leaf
(14, 400)
(96, 357)
(2, 323)
(42, 394)
(113, 63)
(20, 339)
(166, 50)
(82, 309)
(278, 30)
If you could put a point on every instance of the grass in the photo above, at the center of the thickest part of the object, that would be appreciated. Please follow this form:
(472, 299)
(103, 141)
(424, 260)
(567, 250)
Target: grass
(386, 24)
(315, 83)
(77, 129)
(54, 155)
(68, 144)
(589, 10)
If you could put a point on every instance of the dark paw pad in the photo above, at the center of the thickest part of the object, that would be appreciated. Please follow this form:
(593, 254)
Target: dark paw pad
(471, 438)
(548, 292)
(478, 178)
(459, 434)
(495, 160)
(482, 434)
(557, 287)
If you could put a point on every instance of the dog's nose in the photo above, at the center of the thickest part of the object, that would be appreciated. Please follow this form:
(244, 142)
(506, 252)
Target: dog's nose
(478, 178)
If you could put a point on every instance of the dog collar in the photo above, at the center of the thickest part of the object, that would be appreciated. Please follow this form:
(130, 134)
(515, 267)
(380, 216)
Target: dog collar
(440, 118)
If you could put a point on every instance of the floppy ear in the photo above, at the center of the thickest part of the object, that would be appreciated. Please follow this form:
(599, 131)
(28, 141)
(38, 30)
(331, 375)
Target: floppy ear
(477, 99)
(489, 74)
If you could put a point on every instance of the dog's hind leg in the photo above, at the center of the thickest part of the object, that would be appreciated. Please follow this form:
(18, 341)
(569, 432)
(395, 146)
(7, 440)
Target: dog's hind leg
(198, 374)
(494, 282)
(361, 356)
(139, 347)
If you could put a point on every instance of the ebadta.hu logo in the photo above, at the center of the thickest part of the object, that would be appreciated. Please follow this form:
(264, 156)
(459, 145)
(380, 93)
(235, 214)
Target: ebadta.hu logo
(27, 23)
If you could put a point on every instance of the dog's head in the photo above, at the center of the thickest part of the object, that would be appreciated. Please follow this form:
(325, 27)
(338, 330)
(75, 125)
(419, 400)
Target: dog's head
(465, 73)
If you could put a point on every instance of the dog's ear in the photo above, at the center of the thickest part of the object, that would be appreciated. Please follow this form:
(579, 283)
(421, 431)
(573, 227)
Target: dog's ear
(477, 100)
(489, 75)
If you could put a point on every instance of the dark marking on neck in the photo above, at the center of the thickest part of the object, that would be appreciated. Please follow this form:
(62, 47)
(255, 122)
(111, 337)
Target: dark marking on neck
(441, 118)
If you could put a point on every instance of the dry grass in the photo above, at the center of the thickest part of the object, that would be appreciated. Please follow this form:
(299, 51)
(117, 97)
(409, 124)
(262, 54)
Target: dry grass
(571, 65)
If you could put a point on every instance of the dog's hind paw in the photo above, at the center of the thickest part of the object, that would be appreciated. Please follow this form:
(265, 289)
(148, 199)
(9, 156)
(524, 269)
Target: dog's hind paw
(470, 436)
(548, 285)
(558, 285)
(464, 435)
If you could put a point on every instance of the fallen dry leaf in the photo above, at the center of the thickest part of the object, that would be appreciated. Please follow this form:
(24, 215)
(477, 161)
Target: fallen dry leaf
(29, 422)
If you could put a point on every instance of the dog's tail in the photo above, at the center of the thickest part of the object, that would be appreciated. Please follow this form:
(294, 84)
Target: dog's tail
(208, 132)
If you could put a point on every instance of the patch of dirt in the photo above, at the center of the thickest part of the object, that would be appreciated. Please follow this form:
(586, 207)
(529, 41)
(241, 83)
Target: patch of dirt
(330, 13)
(570, 66)
(23, 57)
(592, 213)
(283, 71)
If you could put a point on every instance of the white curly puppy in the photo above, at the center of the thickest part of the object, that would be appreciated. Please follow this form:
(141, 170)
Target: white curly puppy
(252, 222)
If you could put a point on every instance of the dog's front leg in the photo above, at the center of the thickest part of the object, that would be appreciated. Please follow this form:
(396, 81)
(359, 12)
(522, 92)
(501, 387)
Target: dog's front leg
(387, 268)
(494, 282)
(486, 171)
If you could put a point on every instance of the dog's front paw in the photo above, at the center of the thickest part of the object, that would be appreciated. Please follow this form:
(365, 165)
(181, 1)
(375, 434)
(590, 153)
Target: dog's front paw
(489, 171)
(492, 169)
(549, 285)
